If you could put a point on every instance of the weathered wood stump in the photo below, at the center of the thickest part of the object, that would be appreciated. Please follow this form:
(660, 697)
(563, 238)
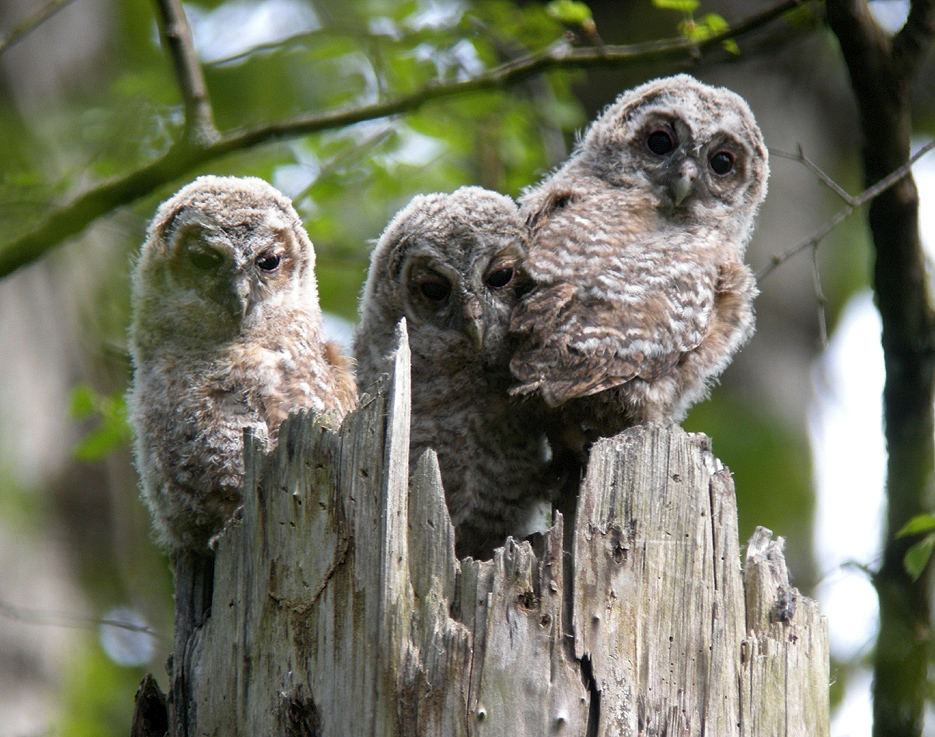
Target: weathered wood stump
(339, 608)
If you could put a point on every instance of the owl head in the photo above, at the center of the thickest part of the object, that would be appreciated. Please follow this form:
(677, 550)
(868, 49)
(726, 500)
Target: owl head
(222, 254)
(449, 264)
(695, 149)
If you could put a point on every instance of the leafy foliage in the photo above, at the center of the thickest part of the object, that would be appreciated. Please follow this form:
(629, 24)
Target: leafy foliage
(124, 111)
(121, 109)
(112, 428)
(710, 24)
(918, 556)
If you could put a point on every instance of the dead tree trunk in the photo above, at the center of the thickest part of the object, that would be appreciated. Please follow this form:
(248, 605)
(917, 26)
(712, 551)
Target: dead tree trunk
(339, 607)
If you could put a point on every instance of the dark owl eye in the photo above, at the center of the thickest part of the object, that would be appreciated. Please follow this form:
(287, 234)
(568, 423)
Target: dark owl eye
(499, 278)
(205, 260)
(269, 261)
(435, 290)
(722, 162)
(660, 142)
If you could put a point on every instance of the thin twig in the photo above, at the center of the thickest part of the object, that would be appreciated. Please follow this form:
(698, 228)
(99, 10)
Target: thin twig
(38, 617)
(31, 23)
(358, 151)
(177, 36)
(811, 166)
(299, 40)
(820, 299)
(188, 154)
(862, 199)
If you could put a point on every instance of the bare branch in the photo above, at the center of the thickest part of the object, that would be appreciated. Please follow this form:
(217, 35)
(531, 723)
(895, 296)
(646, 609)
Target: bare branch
(820, 298)
(813, 167)
(48, 619)
(177, 37)
(855, 202)
(31, 23)
(345, 158)
(188, 154)
(330, 30)
(881, 69)
(813, 240)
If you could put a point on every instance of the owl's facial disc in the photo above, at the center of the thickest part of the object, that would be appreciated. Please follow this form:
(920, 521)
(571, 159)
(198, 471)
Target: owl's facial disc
(203, 267)
(667, 144)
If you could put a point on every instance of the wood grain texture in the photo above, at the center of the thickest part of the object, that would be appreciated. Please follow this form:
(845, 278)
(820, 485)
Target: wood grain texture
(785, 676)
(340, 608)
(657, 583)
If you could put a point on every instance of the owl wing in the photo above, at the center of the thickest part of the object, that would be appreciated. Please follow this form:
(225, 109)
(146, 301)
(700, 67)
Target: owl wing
(633, 308)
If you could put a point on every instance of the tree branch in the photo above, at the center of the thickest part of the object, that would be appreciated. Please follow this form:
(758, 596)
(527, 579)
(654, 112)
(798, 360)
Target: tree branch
(190, 153)
(31, 23)
(881, 72)
(50, 619)
(177, 38)
(853, 203)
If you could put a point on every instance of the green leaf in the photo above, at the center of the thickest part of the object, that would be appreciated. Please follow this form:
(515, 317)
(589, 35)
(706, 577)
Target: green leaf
(731, 46)
(919, 523)
(693, 31)
(715, 22)
(682, 6)
(803, 16)
(82, 402)
(570, 12)
(99, 443)
(113, 426)
(918, 556)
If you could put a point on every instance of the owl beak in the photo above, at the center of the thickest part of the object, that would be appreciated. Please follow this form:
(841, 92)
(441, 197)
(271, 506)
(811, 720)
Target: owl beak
(475, 330)
(684, 182)
(241, 297)
(474, 321)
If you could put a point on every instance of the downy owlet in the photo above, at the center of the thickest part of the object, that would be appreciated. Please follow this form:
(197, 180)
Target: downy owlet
(641, 296)
(450, 264)
(226, 333)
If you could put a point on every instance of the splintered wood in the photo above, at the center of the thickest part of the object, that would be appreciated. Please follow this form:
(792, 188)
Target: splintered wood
(339, 607)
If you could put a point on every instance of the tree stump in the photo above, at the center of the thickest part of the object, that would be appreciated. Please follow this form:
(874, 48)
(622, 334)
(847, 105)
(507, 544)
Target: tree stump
(339, 607)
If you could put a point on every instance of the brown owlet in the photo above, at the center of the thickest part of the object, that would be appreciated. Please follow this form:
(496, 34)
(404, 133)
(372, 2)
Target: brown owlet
(225, 334)
(450, 264)
(641, 296)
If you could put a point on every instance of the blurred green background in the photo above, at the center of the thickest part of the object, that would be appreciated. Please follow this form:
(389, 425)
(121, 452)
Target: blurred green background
(91, 94)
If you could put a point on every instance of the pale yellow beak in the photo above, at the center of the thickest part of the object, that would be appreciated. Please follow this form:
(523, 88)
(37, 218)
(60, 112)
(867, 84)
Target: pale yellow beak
(474, 321)
(685, 182)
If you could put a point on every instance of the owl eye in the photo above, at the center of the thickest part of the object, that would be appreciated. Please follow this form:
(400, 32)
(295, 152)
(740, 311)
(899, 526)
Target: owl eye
(660, 142)
(722, 162)
(269, 261)
(205, 260)
(499, 278)
(435, 290)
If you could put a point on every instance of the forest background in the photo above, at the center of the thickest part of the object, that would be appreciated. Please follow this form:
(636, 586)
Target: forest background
(351, 108)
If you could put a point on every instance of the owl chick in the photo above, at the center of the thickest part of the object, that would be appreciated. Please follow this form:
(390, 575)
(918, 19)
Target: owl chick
(641, 296)
(450, 264)
(225, 334)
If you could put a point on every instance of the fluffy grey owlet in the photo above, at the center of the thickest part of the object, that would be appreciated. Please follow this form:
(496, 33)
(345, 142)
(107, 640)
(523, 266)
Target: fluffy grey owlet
(450, 264)
(641, 295)
(225, 333)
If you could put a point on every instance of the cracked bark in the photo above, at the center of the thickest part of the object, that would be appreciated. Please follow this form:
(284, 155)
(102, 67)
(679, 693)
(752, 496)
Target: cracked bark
(339, 607)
